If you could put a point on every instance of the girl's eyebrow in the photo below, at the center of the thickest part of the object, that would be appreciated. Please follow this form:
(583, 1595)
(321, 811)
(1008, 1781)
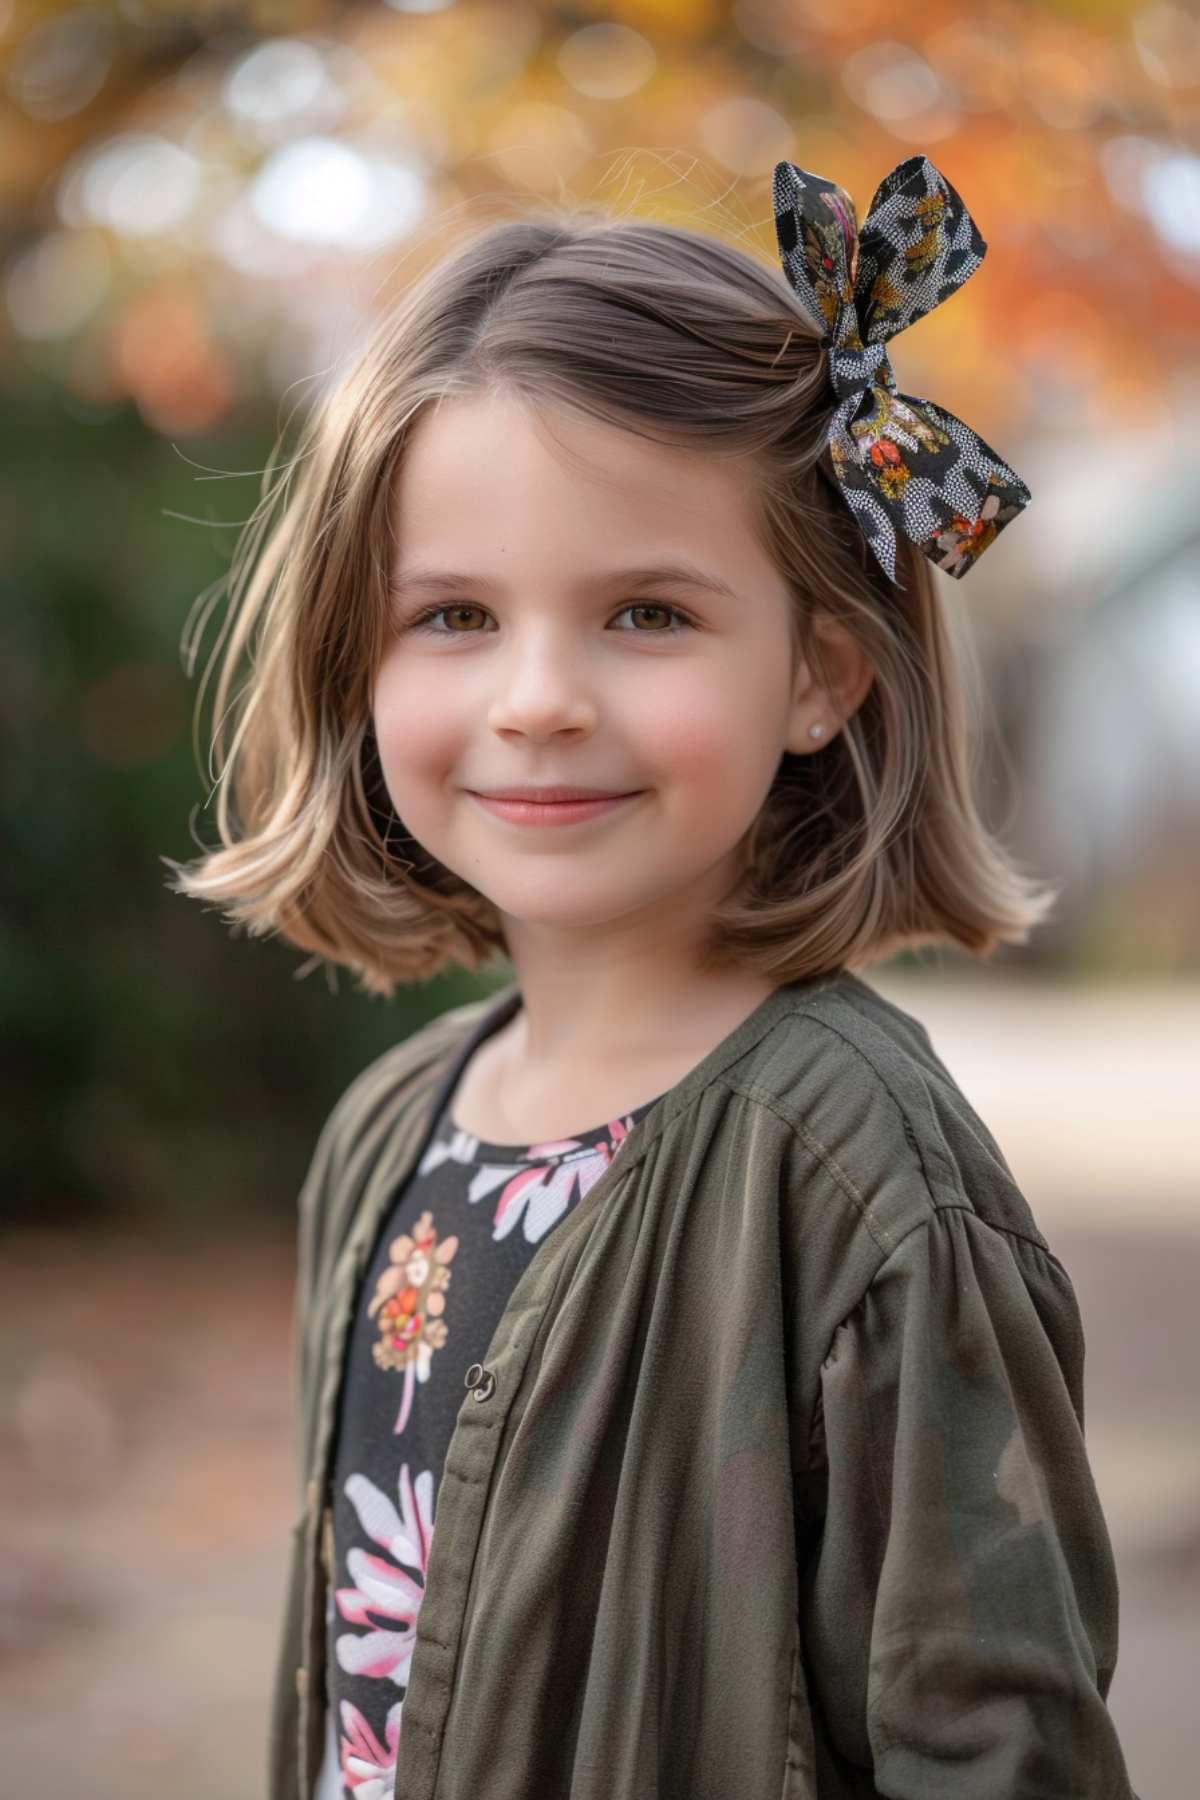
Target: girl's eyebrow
(426, 579)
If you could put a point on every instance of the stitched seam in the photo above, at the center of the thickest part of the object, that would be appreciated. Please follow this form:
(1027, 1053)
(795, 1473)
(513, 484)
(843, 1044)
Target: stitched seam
(880, 1077)
(761, 1097)
(782, 1111)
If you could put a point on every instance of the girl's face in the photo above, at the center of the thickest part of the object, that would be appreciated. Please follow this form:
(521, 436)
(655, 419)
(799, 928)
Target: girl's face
(553, 661)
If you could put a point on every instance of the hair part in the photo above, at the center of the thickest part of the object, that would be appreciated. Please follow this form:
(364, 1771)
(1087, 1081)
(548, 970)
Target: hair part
(868, 846)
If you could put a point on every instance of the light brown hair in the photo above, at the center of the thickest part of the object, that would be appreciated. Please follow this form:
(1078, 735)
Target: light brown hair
(867, 846)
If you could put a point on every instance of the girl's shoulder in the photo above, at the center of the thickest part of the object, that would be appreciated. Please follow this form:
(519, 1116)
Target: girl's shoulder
(895, 1198)
(371, 1111)
(869, 1099)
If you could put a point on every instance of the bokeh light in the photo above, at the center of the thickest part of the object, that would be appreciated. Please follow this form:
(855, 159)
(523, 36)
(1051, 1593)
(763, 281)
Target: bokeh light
(137, 183)
(607, 62)
(319, 190)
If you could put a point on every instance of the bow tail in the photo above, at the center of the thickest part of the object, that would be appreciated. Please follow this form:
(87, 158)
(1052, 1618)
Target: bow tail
(907, 465)
(976, 492)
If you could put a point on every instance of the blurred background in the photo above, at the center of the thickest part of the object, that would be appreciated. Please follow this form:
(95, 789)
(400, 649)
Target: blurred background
(203, 207)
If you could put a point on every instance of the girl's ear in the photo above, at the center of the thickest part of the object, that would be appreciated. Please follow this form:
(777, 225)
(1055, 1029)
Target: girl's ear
(829, 699)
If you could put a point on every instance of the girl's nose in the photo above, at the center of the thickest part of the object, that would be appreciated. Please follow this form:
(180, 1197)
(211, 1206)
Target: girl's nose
(541, 689)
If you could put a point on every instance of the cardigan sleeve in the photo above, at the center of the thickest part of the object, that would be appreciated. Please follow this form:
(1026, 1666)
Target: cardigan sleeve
(959, 1610)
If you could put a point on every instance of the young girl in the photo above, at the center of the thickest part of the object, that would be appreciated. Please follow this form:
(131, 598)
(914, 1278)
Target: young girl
(690, 1403)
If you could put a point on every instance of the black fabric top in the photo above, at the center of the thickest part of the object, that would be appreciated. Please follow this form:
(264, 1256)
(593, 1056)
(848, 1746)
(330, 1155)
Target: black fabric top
(456, 1241)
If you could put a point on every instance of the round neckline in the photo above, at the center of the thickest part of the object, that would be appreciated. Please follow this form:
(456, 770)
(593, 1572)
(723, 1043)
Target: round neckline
(581, 1142)
(487, 1151)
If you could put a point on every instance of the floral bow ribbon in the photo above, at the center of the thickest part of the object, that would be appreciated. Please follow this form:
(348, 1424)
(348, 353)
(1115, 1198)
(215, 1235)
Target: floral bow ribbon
(901, 462)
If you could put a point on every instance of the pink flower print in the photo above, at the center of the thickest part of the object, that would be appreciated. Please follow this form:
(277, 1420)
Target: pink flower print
(384, 1598)
(539, 1193)
(410, 1300)
(368, 1768)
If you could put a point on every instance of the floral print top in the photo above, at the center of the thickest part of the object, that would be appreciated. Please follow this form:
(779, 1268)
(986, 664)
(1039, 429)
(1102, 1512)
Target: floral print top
(458, 1238)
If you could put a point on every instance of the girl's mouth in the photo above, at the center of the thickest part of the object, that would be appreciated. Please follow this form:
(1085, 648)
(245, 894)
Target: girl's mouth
(550, 812)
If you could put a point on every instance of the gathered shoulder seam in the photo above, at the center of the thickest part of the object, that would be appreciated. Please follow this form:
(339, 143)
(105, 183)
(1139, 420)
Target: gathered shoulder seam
(923, 1224)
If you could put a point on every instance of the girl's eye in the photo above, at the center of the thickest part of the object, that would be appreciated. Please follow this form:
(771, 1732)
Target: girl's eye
(425, 621)
(654, 606)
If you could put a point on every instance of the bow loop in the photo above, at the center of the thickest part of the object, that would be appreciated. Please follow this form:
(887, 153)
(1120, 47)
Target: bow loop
(902, 463)
(818, 241)
(918, 245)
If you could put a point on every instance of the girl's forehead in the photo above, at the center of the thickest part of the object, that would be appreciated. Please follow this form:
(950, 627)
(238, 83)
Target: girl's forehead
(477, 464)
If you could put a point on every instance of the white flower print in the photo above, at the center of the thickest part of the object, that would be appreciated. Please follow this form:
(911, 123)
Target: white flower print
(383, 1597)
(535, 1193)
(369, 1767)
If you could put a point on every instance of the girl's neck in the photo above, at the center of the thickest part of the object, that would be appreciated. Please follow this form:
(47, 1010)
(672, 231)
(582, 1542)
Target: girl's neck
(590, 1068)
(628, 1018)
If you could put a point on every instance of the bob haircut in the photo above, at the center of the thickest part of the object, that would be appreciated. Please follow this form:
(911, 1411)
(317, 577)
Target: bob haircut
(867, 846)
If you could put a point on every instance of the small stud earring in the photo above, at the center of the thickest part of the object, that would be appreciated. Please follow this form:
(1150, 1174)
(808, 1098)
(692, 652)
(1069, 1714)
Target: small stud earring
(815, 731)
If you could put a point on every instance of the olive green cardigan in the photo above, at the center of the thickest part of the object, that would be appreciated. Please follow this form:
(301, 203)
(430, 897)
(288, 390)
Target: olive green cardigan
(774, 1481)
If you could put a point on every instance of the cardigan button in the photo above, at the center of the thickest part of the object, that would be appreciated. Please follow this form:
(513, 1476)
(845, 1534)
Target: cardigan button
(302, 1682)
(481, 1381)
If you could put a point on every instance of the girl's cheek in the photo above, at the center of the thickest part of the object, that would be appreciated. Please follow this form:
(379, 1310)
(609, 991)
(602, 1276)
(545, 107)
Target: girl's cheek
(700, 738)
(414, 730)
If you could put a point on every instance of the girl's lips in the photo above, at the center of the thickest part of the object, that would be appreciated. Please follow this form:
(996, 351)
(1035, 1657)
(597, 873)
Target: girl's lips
(549, 812)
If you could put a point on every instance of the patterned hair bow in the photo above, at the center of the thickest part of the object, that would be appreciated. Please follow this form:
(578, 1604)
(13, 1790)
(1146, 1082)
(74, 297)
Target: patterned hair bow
(902, 463)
